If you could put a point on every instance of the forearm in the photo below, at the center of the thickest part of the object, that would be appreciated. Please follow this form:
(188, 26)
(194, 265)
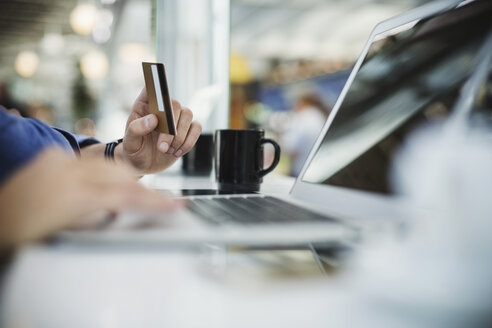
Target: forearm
(97, 151)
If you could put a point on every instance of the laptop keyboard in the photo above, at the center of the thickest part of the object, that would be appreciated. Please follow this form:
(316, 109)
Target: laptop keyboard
(252, 210)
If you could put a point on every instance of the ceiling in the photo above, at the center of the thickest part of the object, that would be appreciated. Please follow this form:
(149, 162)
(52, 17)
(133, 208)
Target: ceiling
(26, 21)
(307, 29)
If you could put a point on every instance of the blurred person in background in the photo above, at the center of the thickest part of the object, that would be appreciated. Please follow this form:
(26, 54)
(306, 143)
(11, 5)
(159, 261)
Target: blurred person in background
(41, 112)
(305, 123)
(6, 101)
(85, 127)
(53, 189)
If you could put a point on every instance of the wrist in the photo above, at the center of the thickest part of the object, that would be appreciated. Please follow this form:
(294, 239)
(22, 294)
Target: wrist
(119, 156)
(110, 150)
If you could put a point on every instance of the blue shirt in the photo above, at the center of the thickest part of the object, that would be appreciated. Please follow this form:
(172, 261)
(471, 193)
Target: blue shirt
(21, 139)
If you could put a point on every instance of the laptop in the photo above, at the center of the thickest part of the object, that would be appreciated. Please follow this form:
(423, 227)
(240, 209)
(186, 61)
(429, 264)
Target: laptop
(410, 73)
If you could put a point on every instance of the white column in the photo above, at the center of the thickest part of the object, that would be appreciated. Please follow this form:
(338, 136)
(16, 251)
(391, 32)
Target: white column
(193, 43)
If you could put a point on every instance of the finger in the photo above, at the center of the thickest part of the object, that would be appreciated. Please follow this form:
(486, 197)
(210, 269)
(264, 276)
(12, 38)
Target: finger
(138, 128)
(93, 220)
(191, 138)
(146, 199)
(176, 109)
(103, 180)
(142, 126)
(108, 184)
(141, 105)
(182, 130)
(132, 195)
(142, 97)
(98, 185)
(164, 142)
(103, 171)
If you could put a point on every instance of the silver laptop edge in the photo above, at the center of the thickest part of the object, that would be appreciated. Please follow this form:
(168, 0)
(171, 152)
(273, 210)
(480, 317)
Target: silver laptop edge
(339, 200)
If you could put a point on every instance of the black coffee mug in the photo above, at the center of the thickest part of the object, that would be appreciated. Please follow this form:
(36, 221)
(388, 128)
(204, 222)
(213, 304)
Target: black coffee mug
(239, 159)
(199, 160)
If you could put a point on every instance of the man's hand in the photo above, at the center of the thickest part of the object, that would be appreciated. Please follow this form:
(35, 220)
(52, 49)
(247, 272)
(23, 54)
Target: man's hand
(57, 191)
(150, 151)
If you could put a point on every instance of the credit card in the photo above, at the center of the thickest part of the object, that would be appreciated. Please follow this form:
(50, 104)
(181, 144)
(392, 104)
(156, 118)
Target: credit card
(159, 99)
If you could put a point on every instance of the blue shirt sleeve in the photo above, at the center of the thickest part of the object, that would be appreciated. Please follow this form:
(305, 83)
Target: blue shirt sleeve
(21, 139)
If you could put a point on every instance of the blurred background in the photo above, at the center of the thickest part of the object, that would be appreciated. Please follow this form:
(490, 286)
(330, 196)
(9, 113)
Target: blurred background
(272, 64)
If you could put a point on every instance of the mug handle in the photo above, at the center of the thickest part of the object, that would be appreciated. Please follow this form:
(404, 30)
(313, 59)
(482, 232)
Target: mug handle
(276, 158)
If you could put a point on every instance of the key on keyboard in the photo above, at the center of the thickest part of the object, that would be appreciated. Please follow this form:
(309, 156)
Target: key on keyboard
(252, 210)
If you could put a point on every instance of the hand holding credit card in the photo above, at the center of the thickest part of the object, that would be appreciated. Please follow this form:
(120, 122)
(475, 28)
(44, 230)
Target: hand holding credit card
(159, 129)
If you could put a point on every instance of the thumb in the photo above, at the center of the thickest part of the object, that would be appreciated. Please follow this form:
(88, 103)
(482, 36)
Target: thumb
(137, 129)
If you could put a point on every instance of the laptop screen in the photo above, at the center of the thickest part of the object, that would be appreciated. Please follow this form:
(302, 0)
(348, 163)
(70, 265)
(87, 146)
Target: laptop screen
(410, 75)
